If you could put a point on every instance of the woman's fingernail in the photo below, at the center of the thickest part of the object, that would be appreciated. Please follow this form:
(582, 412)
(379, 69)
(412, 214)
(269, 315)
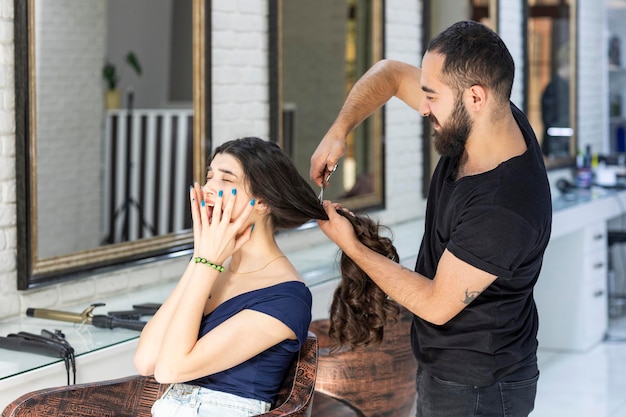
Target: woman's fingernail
(252, 230)
(202, 203)
(252, 202)
(220, 193)
(234, 191)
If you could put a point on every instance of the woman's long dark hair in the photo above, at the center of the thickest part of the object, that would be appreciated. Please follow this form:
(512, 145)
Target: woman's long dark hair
(359, 309)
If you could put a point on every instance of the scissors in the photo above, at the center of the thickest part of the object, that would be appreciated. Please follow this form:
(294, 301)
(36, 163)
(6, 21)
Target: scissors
(320, 197)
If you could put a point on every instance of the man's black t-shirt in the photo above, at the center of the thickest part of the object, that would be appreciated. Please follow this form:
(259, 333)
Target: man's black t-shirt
(498, 221)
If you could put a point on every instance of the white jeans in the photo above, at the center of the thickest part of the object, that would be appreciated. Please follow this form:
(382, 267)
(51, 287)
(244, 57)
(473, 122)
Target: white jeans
(182, 400)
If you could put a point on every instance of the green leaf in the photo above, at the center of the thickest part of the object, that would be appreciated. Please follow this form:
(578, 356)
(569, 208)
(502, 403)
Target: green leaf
(110, 75)
(133, 61)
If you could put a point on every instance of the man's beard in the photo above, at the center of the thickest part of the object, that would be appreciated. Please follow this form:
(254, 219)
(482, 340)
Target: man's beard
(450, 140)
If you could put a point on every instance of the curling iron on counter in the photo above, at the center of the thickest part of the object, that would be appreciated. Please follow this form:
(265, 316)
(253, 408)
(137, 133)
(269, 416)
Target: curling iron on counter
(104, 321)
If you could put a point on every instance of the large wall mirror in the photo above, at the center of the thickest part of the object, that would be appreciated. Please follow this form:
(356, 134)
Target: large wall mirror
(318, 49)
(110, 131)
(551, 78)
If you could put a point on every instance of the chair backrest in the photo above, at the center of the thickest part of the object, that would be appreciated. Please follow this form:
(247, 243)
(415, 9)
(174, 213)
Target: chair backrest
(295, 396)
(378, 380)
(133, 396)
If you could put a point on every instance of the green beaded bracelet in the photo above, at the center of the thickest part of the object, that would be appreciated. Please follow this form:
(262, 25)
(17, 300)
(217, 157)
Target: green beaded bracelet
(200, 260)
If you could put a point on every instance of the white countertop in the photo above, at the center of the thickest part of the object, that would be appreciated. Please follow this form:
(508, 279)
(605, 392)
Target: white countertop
(580, 208)
(83, 338)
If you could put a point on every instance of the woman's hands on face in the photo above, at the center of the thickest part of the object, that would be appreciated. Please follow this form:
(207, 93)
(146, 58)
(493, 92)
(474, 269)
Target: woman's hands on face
(215, 232)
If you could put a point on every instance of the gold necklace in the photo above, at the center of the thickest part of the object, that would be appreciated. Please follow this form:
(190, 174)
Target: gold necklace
(256, 270)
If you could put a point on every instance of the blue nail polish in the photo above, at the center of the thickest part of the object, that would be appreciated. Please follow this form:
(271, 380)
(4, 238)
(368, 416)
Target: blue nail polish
(234, 191)
(202, 203)
(252, 202)
(252, 230)
(220, 193)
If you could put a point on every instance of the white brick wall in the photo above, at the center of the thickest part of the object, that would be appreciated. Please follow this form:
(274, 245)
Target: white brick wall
(240, 107)
(592, 75)
(9, 301)
(510, 26)
(240, 69)
(403, 127)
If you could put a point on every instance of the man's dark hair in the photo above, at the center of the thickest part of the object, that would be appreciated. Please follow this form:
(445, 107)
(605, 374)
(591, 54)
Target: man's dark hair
(475, 55)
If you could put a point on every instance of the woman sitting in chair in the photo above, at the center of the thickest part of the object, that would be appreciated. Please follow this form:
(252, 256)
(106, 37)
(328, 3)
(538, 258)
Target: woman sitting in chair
(227, 333)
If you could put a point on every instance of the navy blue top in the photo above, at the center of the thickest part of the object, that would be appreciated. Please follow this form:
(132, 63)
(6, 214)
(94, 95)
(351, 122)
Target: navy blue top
(260, 377)
(500, 222)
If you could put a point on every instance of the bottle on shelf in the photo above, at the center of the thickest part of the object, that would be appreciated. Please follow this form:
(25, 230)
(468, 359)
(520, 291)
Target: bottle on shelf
(620, 139)
(583, 168)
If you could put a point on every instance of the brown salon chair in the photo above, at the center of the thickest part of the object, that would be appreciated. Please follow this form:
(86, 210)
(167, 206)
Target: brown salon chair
(133, 396)
(378, 380)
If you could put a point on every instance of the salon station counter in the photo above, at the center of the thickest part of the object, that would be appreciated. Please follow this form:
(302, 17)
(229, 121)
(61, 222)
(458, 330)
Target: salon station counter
(571, 297)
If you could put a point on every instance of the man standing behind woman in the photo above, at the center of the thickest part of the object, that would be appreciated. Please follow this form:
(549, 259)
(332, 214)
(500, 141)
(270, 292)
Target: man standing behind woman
(487, 224)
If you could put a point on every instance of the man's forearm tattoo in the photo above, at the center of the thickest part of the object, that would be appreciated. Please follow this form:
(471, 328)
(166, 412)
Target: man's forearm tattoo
(470, 296)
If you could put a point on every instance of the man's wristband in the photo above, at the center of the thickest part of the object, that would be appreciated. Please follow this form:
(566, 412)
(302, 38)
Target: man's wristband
(200, 260)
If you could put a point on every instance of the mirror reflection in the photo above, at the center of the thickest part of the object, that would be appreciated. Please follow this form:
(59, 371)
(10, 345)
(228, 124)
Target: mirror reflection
(110, 128)
(114, 121)
(551, 63)
(325, 46)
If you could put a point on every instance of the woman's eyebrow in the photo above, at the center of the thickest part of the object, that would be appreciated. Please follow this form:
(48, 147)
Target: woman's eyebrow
(222, 170)
(228, 172)
(427, 89)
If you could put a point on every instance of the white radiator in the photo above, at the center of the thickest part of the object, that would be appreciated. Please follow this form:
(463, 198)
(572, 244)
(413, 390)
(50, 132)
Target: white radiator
(147, 173)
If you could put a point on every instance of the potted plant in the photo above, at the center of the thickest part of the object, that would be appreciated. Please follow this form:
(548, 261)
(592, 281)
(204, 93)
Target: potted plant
(109, 72)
